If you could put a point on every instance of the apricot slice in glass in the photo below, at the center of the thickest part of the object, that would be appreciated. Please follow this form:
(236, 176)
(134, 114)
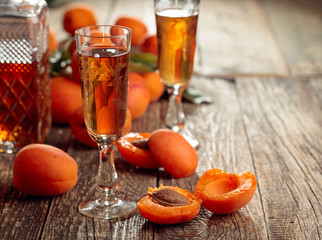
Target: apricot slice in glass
(160, 213)
(134, 149)
(224, 193)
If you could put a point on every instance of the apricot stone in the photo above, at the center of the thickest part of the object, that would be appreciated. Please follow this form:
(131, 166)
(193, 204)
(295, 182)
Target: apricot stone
(44, 170)
(173, 152)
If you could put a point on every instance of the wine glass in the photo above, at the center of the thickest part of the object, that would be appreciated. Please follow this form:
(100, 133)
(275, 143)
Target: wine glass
(103, 64)
(176, 22)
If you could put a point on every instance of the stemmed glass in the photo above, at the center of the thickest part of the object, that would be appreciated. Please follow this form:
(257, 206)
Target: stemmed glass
(103, 64)
(176, 22)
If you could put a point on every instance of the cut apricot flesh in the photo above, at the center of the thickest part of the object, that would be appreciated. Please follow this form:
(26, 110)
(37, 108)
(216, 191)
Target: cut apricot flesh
(137, 156)
(161, 214)
(224, 193)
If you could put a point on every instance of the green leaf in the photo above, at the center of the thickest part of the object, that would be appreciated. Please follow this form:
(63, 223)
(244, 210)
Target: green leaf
(195, 96)
(139, 67)
(60, 59)
(147, 59)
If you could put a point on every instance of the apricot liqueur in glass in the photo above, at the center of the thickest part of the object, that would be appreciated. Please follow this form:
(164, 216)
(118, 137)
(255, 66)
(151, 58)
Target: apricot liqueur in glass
(103, 64)
(104, 84)
(176, 23)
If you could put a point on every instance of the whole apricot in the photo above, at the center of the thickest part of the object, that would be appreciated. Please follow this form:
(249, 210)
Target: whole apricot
(224, 193)
(44, 170)
(75, 68)
(150, 44)
(128, 122)
(137, 27)
(78, 15)
(155, 85)
(79, 130)
(53, 44)
(173, 152)
(66, 97)
(72, 47)
(138, 95)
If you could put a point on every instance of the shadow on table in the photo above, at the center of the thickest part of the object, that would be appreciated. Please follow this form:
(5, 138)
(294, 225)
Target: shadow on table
(206, 225)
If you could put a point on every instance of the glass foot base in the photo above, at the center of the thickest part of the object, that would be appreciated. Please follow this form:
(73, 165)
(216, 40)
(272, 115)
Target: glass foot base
(106, 210)
(187, 135)
(7, 147)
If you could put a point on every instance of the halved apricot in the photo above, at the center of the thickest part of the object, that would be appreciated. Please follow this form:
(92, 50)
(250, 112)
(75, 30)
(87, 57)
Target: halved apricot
(134, 149)
(168, 205)
(224, 193)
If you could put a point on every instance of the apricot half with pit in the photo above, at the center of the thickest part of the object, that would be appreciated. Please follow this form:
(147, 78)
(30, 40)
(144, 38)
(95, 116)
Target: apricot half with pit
(224, 193)
(44, 170)
(168, 205)
(134, 149)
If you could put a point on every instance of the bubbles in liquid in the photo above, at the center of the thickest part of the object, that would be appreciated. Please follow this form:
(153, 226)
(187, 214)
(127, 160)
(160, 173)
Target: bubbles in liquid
(177, 12)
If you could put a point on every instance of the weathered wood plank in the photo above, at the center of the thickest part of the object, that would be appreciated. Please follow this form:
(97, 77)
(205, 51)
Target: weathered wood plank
(23, 216)
(234, 39)
(282, 118)
(297, 27)
(223, 144)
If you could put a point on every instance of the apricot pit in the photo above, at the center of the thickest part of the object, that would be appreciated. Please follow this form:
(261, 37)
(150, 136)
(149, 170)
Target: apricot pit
(168, 205)
(134, 149)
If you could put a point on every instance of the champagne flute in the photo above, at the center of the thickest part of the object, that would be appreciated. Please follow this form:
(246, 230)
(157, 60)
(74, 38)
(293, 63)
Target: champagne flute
(103, 64)
(176, 22)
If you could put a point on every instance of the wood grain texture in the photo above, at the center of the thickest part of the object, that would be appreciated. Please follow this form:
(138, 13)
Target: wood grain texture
(234, 38)
(297, 27)
(271, 126)
(284, 131)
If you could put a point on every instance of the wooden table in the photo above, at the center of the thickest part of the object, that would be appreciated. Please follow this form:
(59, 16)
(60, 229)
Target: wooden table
(261, 62)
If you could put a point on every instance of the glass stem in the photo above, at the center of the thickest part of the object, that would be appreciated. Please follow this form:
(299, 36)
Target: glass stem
(107, 177)
(175, 117)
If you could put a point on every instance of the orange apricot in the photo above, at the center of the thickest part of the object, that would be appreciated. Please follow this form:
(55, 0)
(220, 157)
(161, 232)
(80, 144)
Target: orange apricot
(173, 152)
(79, 130)
(149, 44)
(65, 98)
(44, 170)
(53, 44)
(75, 68)
(155, 85)
(106, 123)
(78, 15)
(224, 193)
(137, 27)
(128, 122)
(133, 149)
(98, 39)
(72, 47)
(168, 205)
(138, 95)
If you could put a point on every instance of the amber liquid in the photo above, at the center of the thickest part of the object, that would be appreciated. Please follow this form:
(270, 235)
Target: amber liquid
(104, 74)
(176, 30)
(24, 102)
